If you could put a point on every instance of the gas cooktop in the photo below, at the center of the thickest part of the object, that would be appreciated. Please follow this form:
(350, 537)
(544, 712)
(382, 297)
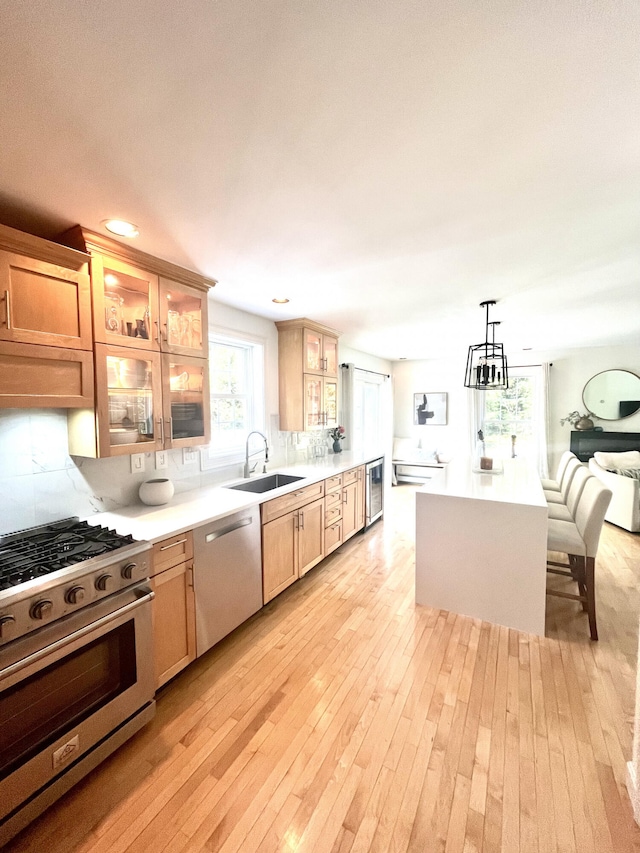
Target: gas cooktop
(39, 551)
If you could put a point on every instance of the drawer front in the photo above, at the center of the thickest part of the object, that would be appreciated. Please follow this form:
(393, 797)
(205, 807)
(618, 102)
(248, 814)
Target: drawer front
(332, 515)
(332, 499)
(292, 500)
(332, 484)
(172, 551)
(332, 537)
(349, 476)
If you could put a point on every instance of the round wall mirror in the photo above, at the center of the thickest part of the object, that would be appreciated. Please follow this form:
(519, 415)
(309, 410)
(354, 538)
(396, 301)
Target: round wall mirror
(612, 394)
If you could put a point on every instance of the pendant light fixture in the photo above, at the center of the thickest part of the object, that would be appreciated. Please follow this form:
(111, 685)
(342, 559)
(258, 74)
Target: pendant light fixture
(486, 362)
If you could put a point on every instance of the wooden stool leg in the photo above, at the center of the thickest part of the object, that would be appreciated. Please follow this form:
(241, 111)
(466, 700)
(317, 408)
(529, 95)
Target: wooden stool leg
(591, 595)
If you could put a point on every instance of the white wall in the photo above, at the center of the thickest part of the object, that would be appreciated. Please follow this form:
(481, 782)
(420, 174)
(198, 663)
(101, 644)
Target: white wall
(570, 371)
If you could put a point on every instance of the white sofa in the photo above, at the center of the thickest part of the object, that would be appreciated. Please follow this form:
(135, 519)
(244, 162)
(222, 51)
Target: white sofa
(624, 509)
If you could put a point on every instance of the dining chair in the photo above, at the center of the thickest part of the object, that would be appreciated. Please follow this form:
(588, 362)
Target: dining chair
(554, 485)
(579, 541)
(567, 511)
(560, 497)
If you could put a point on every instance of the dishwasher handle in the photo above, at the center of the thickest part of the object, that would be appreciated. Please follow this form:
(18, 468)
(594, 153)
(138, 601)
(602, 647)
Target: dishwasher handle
(216, 534)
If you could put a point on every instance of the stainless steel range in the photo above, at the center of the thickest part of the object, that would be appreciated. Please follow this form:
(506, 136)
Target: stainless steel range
(76, 659)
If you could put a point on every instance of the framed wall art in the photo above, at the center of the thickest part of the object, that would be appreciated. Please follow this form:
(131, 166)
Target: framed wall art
(430, 408)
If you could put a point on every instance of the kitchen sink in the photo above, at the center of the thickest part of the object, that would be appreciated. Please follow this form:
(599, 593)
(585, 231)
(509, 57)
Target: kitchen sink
(266, 484)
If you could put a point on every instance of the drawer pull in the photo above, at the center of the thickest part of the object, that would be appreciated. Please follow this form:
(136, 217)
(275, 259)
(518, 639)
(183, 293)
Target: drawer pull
(172, 545)
(7, 305)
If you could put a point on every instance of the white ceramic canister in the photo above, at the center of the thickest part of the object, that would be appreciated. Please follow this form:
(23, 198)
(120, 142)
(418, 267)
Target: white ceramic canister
(156, 492)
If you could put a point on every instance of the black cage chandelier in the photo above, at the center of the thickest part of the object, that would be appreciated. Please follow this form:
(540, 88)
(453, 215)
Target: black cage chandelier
(487, 363)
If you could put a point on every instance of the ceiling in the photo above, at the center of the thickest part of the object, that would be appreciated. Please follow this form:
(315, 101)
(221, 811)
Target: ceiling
(384, 165)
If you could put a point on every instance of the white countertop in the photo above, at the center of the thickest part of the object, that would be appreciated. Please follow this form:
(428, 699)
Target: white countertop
(200, 506)
(518, 483)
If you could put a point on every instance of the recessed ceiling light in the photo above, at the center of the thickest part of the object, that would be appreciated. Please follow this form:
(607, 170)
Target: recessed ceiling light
(280, 301)
(121, 227)
(402, 358)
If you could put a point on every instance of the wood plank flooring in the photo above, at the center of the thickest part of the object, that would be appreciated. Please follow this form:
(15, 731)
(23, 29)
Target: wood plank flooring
(342, 719)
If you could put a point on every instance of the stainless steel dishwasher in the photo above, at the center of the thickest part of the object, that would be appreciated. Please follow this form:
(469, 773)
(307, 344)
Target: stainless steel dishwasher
(227, 568)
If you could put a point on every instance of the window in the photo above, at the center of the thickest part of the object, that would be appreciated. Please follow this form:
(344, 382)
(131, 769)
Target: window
(237, 395)
(518, 411)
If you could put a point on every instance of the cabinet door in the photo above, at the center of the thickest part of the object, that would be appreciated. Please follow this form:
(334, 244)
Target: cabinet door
(174, 627)
(125, 304)
(333, 537)
(279, 555)
(349, 510)
(330, 350)
(44, 303)
(330, 404)
(183, 319)
(129, 401)
(312, 354)
(310, 536)
(185, 396)
(313, 402)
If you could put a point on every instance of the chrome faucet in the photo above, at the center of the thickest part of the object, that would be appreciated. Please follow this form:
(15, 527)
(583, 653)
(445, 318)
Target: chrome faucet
(247, 470)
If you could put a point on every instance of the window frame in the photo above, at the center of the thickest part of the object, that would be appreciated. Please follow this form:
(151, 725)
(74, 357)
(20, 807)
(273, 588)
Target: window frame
(256, 395)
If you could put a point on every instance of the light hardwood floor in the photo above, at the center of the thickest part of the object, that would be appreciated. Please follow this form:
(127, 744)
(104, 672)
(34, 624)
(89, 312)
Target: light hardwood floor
(344, 718)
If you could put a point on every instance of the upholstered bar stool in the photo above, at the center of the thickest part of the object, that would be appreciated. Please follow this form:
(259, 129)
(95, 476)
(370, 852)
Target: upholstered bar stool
(579, 541)
(567, 511)
(554, 485)
(560, 497)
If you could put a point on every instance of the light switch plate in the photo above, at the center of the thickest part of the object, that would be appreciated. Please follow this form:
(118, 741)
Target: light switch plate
(162, 460)
(189, 455)
(137, 463)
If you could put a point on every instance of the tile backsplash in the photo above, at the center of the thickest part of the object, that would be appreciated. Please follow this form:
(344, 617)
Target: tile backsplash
(40, 482)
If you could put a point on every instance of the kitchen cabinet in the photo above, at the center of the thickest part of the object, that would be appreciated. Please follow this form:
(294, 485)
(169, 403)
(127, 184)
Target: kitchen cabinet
(144, 401)
(143, 302)
(292, 537)
(332, 513)
(308, 370)
(174, 627)
(45, 292)
(45, 324)
(320, 403)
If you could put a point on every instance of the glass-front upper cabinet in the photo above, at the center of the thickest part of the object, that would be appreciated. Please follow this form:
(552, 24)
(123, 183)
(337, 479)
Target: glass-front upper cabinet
(125, 304)
(183, 319)
(186, 401)
(320, 402)
(129, 414)
(320, 353)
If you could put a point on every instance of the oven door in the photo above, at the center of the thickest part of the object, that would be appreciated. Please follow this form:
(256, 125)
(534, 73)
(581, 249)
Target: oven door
(67, 687)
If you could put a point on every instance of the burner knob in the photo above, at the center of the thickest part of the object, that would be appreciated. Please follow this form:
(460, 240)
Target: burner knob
(42, 609)
(5, 621)
(127, 571)
(74, 595)
(104, 582)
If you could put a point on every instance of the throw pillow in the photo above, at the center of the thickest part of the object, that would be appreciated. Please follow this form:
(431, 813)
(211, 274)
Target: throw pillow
(618, 461)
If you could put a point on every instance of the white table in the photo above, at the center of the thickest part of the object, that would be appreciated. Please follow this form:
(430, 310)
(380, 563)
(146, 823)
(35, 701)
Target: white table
(481, 542)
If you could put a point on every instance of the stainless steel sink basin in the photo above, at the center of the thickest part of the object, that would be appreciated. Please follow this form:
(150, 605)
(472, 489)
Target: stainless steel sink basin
(266, 484)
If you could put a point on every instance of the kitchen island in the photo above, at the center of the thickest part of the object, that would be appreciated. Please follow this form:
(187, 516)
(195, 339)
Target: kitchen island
(481, 543)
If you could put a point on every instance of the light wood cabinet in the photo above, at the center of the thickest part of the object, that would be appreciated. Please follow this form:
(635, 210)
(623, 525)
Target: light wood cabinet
(332, 513)
(173, 608)
(45, 324)
(45, 292)
(144, 401)
(144, 302)
(292, 538)
(308, 369)
(349, 510)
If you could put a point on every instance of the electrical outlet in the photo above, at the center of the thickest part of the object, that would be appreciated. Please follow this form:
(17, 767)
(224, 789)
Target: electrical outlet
(189, 455)
(137, 463)
(162, 460)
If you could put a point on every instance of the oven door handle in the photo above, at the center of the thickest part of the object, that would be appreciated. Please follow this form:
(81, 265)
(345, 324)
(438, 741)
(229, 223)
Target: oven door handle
(76, 635)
